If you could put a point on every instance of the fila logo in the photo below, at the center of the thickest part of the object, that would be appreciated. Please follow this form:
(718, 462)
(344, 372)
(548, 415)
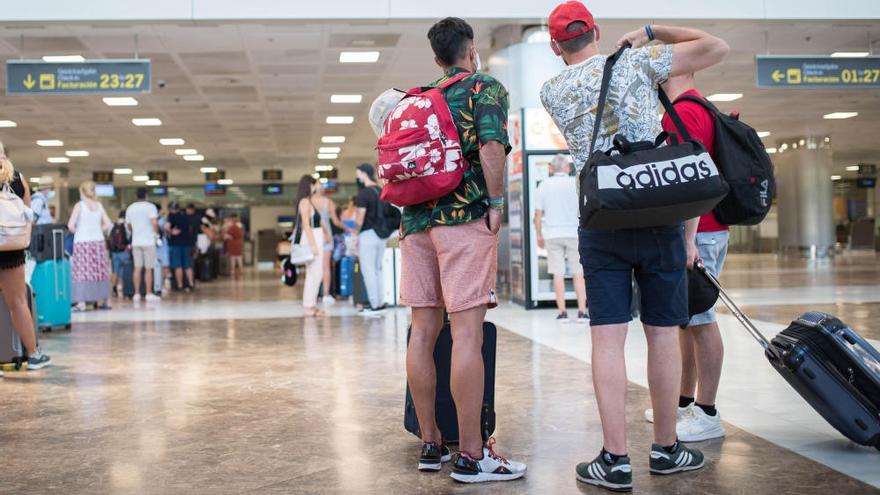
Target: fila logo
(659, 174)
(765, 192)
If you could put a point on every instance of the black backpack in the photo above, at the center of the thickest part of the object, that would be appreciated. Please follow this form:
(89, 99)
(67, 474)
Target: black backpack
(387, 217)
(118, 238)
(744, 164)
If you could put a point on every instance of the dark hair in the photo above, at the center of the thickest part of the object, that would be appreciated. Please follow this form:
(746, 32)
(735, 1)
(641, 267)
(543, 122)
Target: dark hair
(580, 42)
(142, 193)
(304, 190)
(450, 40)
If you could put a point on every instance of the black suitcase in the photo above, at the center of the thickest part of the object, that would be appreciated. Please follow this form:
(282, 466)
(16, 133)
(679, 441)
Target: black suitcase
(359, 290)
(204, 269)
(126, 274)
(833, 368)
(47, 241)
(444, 407)
(12, 352)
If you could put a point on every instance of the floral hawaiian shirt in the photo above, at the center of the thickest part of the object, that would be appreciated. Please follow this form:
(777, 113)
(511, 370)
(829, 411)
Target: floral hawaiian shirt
(572, 98)
(479, 106)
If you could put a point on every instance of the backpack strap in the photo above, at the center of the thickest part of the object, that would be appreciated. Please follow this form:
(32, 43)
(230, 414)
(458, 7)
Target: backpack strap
(673, 114)
(701, 101)
(452, 80)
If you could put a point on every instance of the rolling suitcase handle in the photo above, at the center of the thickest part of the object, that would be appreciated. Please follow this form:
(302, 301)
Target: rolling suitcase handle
(746, 322)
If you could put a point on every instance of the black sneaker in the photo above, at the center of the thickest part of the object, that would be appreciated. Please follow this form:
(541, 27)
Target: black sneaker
(602, 471)
(492, 467)
(433, 456)
(562, 316)
(38, 360)
(681, 459)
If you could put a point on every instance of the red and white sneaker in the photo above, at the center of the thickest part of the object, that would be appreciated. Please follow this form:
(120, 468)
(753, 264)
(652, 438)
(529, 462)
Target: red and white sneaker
(492, 467)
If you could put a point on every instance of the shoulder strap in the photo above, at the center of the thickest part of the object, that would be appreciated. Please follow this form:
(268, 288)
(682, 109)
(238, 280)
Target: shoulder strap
(603, 94)
(701, 101)
(673, 114)
(453, 80)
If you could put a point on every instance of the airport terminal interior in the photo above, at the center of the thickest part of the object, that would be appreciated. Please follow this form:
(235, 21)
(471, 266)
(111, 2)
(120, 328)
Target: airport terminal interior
(230, 385)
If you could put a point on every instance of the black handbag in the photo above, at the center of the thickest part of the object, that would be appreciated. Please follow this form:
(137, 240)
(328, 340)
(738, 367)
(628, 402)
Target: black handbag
(646, 183)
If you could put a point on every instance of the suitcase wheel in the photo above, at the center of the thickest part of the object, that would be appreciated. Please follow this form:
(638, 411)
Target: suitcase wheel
(67, 327)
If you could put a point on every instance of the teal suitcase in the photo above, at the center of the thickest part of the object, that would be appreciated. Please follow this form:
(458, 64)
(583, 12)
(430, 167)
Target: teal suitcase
(51, 284)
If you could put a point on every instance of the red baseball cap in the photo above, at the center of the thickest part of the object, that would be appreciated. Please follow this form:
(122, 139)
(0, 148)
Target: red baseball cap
(566, 13)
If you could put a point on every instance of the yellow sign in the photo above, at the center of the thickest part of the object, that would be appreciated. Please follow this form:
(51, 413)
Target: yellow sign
(47, 81)
(29, 82)
(793, 76)
(777, 76)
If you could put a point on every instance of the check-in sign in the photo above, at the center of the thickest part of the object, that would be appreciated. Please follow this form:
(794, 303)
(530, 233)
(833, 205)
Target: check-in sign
(817, 72)
(29, 77)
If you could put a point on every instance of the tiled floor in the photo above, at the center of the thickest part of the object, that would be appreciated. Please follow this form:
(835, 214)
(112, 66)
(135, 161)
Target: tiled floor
(230, 390)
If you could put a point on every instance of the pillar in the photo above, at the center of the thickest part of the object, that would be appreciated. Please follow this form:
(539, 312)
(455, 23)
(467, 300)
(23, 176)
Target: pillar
(804, 196)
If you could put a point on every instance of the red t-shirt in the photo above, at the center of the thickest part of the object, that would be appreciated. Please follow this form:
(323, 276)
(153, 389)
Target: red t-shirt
(701, 126)
(235, 244)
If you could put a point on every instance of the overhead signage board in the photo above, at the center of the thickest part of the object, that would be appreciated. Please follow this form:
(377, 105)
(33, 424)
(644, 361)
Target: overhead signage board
(273, 175)
(160, 175)
(215, 176)
(777, 71)
(102, 177)
(111, 76)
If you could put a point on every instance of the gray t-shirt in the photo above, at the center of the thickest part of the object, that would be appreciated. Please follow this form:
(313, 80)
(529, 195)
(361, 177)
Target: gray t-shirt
(631, 109)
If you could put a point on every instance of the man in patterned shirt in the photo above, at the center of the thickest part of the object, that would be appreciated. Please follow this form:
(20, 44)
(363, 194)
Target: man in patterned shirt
(449, 251)
(655, 256)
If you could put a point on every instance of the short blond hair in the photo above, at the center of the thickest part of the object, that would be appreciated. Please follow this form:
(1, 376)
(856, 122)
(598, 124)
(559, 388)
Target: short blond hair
(87, 190)
(7, 171)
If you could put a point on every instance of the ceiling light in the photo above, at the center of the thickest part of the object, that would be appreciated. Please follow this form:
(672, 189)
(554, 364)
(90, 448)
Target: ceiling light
(346, 98)
(763, 134)
(324, 180)
(340, 119)
(58, 159)
(770, 150)
(121, 171)
(35, 180)
(329, 149)
(171, 142)
(75, 153)
(194, 158)
(225, 182)
(316, 175)
(359, 57)
(724, 96)
(208, 170)
(839, 115)
(849, 54)
(64, 58)
(120, 101)
(835, 177)
(327, 156)
(323, 168)
(49, 142)
(153, 182)
(7, 123)
(852, 168)
(152, 121)
(185, 151)
(333, 139)
(140, 178)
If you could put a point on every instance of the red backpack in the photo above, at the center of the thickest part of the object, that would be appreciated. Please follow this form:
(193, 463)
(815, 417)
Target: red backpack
(420, 156)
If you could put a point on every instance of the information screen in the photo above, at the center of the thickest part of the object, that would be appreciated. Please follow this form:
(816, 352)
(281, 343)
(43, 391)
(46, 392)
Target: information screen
(272, 175)
(158, 191)
(160, 176)
(215, 190)
(105, 190)
(273, 189)
(102, 177)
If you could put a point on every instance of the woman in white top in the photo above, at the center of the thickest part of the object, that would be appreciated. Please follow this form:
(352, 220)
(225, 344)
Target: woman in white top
(89, 274)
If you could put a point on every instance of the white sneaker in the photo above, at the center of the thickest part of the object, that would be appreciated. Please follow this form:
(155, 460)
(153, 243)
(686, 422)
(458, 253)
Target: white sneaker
(682, 413)
(699, 426)
(329, 300)
(491, 467)
(136, 298)
(119, 292)
(153, 298)
(167, 284)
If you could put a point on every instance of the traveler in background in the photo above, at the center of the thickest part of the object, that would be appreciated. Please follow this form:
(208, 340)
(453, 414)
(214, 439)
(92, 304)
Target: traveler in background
(311, 234)
(349, 214)
(181, 229)
(702, 349)
(163, 255)
(90, 279)
(556, 226)
(370, 247)
(449, 250)
(656, 256)
(14, 287)
(327, 208)
(40, 199)
(233, 244)
(119, 245)
(142, 219)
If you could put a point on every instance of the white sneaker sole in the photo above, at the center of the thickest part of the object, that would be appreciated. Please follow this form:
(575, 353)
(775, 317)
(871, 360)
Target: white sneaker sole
(38, 366)
(675, 470)
(485, 477)
(424, 466)
(604, 484)
(717, 432)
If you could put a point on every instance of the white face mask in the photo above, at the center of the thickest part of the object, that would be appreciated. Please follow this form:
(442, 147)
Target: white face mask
(477, 63)
(50, 194)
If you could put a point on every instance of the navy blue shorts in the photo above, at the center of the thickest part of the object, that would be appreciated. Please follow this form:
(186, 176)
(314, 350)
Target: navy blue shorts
(656, 256)
(181, 257)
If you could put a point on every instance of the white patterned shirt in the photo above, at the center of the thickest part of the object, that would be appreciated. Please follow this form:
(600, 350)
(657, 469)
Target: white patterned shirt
(631, 108)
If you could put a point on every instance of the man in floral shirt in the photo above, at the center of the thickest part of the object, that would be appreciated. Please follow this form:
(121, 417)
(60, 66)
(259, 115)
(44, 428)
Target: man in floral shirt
(449, 250)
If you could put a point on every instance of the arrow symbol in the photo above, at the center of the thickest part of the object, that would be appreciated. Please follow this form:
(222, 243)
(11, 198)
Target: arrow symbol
(777, 76)
(29, 82)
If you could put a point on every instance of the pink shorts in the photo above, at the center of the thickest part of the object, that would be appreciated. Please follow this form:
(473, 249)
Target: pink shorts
(451, 265)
